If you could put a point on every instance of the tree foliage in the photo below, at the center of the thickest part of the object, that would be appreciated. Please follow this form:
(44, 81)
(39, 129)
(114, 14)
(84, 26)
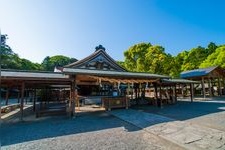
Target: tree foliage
(49, 63)
(135, 57)
(194, 58)
(215, 59)
(145, 57)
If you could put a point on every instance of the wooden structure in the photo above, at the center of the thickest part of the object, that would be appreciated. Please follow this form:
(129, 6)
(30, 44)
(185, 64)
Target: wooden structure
(175, 84)
(115, 102)
(212, 80)
(32, 81)
(97, 74)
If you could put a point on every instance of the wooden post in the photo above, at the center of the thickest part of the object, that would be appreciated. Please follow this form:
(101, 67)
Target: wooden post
(34, 100)
(73, 98)
(7, 97)
(156, 92)
(127, 96)
(192, 92)
(219, 87)
(209, 87)
(223, 86)
(160, 97)
(18, 96)
(174, 93)
(26, 96)
(203, 87)
(22, 100)
(182, 90)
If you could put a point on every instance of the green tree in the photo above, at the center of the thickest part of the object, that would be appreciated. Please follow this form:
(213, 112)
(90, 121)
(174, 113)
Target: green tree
(145, 57)
(177, 63)
(121, 63)
(28, 65)
(157, 61)
(135, 57)
(9, 59)
(215, 59)
(194, 58)
(49, 63)
(211, 48)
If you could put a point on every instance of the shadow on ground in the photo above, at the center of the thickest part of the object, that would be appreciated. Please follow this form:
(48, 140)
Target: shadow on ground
(47, 127)
(184, 110)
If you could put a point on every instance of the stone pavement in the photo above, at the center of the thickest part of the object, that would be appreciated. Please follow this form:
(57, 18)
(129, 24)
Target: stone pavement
(185, 134)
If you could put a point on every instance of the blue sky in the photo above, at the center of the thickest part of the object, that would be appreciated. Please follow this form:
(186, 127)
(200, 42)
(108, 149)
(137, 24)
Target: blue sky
(73, 28)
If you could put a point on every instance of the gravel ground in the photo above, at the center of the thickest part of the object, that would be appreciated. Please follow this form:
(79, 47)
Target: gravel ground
(96, 130)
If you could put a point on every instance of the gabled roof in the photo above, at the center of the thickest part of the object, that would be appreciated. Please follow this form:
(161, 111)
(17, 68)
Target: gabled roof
(197, 72)
(98, 56)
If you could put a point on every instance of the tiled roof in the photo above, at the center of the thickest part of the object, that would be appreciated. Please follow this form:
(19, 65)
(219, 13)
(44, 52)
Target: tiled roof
(112, 73)
(197, 72)
(182, 81)
(32, 74)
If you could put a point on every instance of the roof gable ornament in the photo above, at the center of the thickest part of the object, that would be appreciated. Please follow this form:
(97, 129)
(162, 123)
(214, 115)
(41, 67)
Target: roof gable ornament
(99, 48)
(99, 60)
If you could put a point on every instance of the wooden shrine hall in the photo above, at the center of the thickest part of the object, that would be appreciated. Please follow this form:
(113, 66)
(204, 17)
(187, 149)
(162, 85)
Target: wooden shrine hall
(96, 75)
(212, 80)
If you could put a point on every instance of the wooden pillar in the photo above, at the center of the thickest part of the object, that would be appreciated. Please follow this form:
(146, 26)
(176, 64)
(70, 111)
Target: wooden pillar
(127, 96)
(22, 100)
(34, 100)
(182, 90)
(219, 87)
(212, 89)
(73, 98)
(139, 90)
(209, 87)
(160, 96)
(203, 87)
(175, 92)
(7, 97)
(223, 86)
(18, 96)
(26, 96)
(192, 92)
(156, 92)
